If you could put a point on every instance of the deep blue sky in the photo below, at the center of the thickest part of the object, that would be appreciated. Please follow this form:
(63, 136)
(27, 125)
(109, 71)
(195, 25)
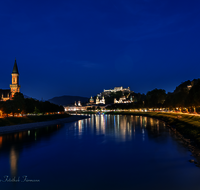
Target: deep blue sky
(73, 47)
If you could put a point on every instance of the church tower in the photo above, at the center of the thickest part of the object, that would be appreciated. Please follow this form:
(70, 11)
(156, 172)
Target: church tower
(15, 87)
(97, 100)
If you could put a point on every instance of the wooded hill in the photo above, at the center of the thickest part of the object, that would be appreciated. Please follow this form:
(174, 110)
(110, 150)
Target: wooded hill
(67, 100)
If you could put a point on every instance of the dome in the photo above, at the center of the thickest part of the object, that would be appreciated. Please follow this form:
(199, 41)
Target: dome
(91, 99)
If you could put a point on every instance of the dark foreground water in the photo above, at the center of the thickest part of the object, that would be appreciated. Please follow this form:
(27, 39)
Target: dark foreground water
(99, 153)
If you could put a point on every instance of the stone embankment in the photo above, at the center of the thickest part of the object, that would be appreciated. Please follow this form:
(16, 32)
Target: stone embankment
(189, 144)
(29, 126)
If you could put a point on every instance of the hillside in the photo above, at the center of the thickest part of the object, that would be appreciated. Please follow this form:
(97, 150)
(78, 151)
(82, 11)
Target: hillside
(185, 84)
(66, 100)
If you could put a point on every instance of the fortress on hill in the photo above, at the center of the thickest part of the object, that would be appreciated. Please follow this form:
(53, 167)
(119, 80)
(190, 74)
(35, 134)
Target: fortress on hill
(8, 94)
(116, 89)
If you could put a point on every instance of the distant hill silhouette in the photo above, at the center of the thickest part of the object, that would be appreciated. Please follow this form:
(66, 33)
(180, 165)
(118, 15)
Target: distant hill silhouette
(67, 100)
(185, 84)
(25, 96)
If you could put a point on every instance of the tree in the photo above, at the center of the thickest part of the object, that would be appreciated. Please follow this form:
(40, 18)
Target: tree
(36, 110)
(169, 101)
(193, 98)
(110, 98)
(19, 103)
(30, 105)
(180, 96)
(8, 107)
(155, 98)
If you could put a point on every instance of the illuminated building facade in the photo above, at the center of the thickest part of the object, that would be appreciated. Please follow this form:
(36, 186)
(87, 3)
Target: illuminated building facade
(5, 94)
(98, 101)
(123, 100)
(102, 101)
(189, 87)
(8, 94)
(79, 103)
(91, 100)
(15, 87)
(117, 89)
(75, 107)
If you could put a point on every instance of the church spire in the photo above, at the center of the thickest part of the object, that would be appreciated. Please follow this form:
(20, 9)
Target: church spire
(15, 87)
(15, 68)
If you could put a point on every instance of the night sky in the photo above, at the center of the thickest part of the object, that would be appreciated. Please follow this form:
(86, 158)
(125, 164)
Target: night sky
(74, 47)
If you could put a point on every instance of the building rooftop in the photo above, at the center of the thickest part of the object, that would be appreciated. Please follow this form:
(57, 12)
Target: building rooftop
(15, 68)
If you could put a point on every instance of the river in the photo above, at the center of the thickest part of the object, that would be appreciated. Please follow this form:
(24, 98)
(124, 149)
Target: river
(115, 152)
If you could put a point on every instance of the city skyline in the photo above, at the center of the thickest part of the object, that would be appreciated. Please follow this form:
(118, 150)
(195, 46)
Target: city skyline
(76, 48)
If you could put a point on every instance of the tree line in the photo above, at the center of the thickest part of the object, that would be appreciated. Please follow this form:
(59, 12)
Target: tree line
(185, 97)
(21, 105)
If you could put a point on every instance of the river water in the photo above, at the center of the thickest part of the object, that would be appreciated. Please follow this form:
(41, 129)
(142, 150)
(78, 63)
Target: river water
(98, 153)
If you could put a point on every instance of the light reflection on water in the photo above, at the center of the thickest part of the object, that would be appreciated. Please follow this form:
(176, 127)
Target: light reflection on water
(120, 127)
(101, 152)
(12, 144)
